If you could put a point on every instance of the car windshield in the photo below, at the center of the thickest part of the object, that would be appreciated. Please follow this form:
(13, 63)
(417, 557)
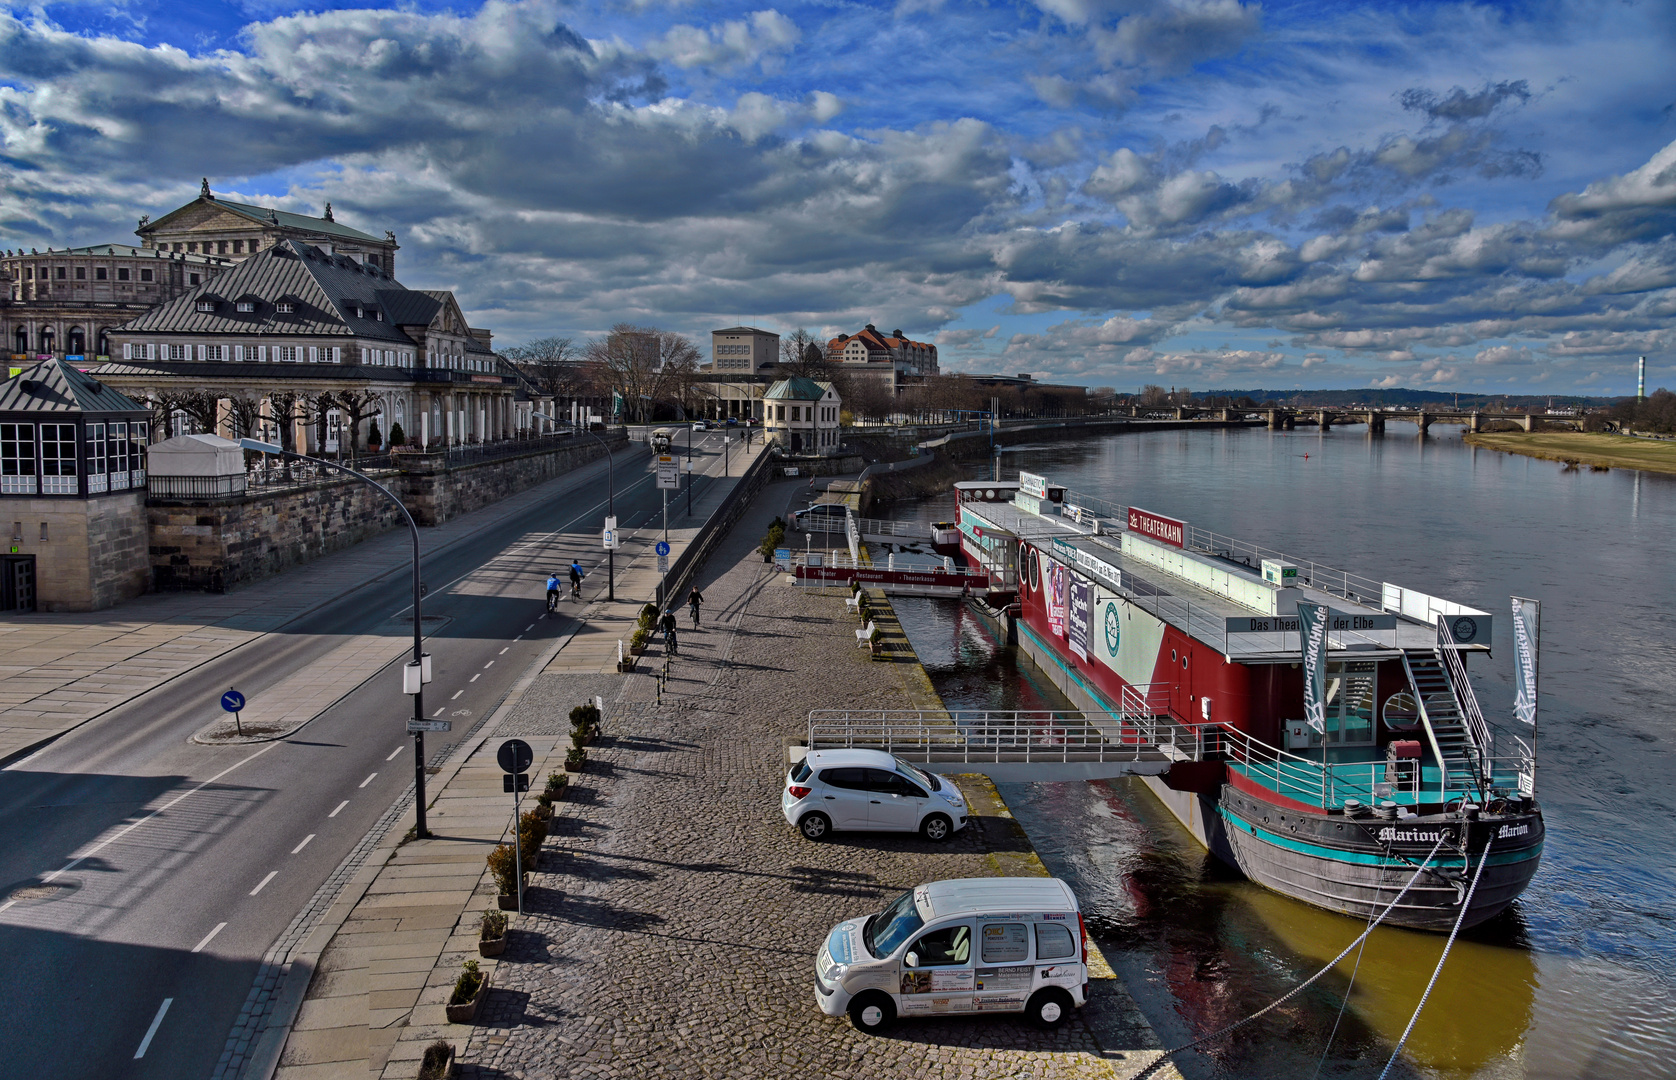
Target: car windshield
(892, 926)
(928, 779)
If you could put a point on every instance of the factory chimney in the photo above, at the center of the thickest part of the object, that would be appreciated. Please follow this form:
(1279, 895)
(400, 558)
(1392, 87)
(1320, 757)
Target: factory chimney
(1641, 379)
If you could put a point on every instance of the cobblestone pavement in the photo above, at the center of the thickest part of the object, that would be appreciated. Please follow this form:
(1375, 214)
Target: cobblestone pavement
(676, 918)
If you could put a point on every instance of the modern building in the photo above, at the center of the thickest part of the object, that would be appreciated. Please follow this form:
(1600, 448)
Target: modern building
(230, 230)
(871, 351)
(743, 349)
(295, 321)
(65, 303)
(802, 416)
(72, 492)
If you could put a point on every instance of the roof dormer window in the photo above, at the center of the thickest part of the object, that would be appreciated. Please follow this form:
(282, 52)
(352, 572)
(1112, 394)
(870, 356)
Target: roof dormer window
(206, 305)
(286, 307)
(246, 306)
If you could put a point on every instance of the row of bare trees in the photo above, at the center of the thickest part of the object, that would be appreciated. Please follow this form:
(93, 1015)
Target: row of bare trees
(244, 412)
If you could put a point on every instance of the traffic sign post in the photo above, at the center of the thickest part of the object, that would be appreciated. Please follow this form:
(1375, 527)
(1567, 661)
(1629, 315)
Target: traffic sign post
(233, 701)
(515, 757)
(416, 726)
(662, 548)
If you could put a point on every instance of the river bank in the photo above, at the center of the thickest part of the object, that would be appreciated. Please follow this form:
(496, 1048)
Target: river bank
(1599, 450)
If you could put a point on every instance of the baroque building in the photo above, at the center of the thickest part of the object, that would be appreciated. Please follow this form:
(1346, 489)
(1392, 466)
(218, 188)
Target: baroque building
(229, 230)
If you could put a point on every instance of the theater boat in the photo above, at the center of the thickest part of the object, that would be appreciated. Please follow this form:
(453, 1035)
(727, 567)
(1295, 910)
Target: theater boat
(1185, 641)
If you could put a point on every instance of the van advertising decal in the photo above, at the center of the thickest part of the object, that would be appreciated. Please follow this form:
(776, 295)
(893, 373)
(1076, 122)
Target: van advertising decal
(936, 980)
(1005, 943)
(1007, 978)
(999, 1003)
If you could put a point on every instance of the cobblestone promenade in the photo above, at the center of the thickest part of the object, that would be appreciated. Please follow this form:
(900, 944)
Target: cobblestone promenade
(674, 924)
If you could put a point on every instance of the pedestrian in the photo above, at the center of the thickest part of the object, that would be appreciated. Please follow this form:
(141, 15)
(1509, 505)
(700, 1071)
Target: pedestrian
(667, 624)
(694, 599)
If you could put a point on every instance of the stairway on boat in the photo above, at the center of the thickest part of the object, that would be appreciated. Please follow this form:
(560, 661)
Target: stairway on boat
(1441, 714)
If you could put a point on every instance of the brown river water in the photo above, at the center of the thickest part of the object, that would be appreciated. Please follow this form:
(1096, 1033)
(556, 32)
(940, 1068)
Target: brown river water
(1578, 978)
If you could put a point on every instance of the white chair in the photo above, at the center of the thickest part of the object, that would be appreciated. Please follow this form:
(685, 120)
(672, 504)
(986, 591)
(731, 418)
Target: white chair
(853, 603)
(863, 635)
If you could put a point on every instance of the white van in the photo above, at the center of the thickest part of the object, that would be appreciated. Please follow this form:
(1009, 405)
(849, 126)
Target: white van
(971, 945)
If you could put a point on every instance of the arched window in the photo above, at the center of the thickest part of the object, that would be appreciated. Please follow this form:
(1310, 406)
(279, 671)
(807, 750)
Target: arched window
(47, 341)
(22, 340)
(78, 342)
(104, 341)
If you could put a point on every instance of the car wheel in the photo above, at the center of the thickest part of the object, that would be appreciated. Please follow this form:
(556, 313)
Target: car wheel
(872, 1011)
(815, 826)
(936, 828)
(1049, 1008)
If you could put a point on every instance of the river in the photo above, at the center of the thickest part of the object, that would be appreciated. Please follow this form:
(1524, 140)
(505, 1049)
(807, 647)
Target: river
(1578, 978)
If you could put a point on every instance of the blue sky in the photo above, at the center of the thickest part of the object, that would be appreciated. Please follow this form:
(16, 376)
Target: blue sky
(1202, 193)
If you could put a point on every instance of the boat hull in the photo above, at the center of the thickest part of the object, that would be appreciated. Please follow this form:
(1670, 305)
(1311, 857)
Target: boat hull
(1358, 866)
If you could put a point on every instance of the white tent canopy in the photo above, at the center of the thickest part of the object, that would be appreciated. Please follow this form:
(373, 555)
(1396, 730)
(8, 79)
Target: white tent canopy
(195, 455)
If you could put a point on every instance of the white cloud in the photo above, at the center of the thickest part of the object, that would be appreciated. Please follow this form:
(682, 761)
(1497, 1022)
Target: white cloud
(763, 37)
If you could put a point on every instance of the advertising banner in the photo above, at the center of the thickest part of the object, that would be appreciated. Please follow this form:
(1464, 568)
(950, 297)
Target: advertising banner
(1056, 597)
(1157, 527)
(1312, 619)
(1077, 616)
(1527, 620)
(1031, 484)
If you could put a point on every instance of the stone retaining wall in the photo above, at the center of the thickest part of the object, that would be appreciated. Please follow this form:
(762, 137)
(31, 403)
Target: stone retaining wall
(93, 554)
(434, 493)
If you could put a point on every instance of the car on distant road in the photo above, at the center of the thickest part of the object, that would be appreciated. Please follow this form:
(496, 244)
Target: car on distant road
(733, 421)
(821, 517)
(701, 425)
(872, 791)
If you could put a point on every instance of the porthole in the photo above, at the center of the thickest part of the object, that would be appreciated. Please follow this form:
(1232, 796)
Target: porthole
(1172, 656)
(1184, 663)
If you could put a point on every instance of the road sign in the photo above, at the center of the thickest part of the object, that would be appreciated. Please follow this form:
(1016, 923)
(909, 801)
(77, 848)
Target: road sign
(663, 564)
(429, 725)
(610, 541)
(663, 547)
(514, 756)
(512, 783)
(669, 473)
(232, 701)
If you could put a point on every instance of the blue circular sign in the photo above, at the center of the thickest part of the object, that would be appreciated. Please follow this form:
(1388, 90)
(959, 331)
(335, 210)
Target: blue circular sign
(663, 547)
(232, 701)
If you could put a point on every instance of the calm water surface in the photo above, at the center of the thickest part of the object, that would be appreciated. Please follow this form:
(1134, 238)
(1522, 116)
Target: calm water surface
(1579, 977)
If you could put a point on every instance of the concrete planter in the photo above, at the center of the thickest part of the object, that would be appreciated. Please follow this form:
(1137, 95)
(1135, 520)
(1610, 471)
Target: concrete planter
(494, 946)
(466, 1011)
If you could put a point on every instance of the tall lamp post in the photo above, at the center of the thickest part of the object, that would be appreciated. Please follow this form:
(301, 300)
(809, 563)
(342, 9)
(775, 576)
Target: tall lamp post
(418, 669)
(689, 470)
(610, 508)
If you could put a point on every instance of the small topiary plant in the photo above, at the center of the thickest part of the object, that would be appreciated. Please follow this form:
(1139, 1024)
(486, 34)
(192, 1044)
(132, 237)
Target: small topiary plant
(492, 926)
(398, 437)
(575, 758)
(373, 436)
(468, 984)
(557, 782)
(503, 866)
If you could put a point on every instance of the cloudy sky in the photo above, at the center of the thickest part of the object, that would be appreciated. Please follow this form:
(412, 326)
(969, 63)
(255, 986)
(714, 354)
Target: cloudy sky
(1204, 193)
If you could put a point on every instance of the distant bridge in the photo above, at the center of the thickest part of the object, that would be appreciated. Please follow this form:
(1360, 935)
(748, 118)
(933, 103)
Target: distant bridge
(1286, 418)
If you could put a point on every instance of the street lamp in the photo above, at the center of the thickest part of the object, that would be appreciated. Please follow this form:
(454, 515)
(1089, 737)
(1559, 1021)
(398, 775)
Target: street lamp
(610, 508)
(689, 470)
(419, 665)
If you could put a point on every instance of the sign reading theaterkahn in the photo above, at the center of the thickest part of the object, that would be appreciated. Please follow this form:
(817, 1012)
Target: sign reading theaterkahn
(1157, 527)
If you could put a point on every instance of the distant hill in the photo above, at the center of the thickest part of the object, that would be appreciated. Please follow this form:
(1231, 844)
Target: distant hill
(1400, 396)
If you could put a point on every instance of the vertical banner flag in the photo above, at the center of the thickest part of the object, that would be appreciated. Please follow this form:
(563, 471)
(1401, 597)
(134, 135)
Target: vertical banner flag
(1078, 617)
(1527, 619)
(1312, 628)
(1056, 598)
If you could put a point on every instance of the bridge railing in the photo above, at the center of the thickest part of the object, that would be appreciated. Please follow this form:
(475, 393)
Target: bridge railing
(983, 737)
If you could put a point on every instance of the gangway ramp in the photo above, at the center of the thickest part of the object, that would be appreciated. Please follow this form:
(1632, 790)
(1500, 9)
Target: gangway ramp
(1011, 747)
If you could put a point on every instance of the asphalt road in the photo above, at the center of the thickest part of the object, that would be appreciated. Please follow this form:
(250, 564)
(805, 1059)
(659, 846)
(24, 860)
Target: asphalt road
(178, 865)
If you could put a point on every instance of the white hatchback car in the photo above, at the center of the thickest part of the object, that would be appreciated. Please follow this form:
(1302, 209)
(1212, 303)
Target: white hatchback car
(869, 790)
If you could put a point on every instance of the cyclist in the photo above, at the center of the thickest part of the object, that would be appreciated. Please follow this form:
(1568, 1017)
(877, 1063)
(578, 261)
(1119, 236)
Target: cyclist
(667, 625)
(552, 591)
(694, 599)
(575, 579)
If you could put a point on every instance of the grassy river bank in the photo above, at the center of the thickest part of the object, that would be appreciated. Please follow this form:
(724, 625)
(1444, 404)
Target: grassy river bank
(1596, 449)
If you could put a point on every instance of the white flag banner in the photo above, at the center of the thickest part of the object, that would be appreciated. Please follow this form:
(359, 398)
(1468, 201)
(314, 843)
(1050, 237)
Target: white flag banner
(1312, 628)
(1527, 621)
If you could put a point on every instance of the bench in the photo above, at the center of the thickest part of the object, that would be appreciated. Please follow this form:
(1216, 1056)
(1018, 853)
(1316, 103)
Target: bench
(853, 603)
(862, 635)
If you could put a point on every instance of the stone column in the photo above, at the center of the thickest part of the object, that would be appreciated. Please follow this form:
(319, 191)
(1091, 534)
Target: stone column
(1476, 423)
(1325, 419)
(1530, 421)
(1424, 420)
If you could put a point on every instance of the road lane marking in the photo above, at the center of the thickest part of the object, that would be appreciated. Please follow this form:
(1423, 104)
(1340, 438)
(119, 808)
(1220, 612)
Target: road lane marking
(125, 830)
(271, 875)
(528, 628)
(368, 780)
(302, 845)
(341, 805)
(394, 752)
(520, 637)
(456, 696)
(474, 678)
(156, 1022)
(442, 710)
(209, 937)
(491, 663)
(501, 653)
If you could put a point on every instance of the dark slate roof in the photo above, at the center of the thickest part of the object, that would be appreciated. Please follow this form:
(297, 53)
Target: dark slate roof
(798, 389)
(235, 370)
(409, 307)
(324, 287)
(53, 386)
(268, 215)
(129, 251)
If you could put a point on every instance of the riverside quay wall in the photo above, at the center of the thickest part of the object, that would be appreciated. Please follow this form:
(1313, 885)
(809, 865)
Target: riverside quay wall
(215, 545)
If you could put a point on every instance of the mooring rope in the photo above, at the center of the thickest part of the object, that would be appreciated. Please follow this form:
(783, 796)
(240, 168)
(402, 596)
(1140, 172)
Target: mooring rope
(1483, 861)
(1344, 1002)
(1298, 989)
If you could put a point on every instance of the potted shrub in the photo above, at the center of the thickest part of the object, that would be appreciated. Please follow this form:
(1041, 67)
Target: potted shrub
(373, 436)
(532, 833)
(438, 1062)
(543, 807)
(503, 867)
(398, 437)
(586, 716)
(575, 759)
(491, 933)
(469, 989)
(637, 643)
(876, 642)
(557, 782)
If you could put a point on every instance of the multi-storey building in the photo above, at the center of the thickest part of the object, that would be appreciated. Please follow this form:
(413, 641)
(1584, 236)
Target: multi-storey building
(743, 348)
(869, 346)
(296, 321)
(230, 230)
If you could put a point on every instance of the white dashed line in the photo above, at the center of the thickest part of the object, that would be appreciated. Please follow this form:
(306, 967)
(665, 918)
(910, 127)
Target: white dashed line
(341, 805)
(501, 653)
(491, 663)
(156, 1022)
(302, 845)
(394, 752)
(368, 780)
(264, 882)
(528, 628)
(474, 678)
(442, 710)
(520, 637)
(456, 696)
(209, 937)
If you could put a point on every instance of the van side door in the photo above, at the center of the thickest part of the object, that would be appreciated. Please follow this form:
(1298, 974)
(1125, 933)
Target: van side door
(1004, 975)
(942, 981)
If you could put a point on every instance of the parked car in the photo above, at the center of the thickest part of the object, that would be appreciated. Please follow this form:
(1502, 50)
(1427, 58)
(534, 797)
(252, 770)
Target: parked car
(857, 790)
(733, 421)
(917, 956)
(821, 517)
(701, 425)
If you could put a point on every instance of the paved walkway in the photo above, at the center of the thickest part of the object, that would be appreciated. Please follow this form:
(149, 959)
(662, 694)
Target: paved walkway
(675, 917)
(60, 670)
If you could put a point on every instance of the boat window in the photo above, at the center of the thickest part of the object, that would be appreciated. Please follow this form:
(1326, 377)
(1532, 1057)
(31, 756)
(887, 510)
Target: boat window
(1400, 712)
(1350, 704)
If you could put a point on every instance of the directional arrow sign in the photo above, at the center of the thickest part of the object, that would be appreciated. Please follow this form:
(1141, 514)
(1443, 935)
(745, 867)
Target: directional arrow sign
(232, 701)
(429, 725)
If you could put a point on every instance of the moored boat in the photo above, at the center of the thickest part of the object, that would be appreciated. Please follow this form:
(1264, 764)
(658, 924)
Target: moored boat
(1322, 731)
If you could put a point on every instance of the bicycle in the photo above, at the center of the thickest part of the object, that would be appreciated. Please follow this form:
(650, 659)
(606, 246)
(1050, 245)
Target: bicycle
(576, 589)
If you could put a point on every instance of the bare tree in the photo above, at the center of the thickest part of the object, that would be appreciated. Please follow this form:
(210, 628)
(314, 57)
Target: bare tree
(802, 356)
(202, 407)
(554, 364)
(244, 414)
(282, 410)
(164, 404)
(358, 405)
(867, 396)
(1153, 394)
(643, 366)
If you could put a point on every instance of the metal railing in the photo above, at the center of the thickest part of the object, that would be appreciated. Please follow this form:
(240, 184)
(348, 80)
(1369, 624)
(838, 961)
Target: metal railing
(1466, 701)
(1024, 737)
(912, 530)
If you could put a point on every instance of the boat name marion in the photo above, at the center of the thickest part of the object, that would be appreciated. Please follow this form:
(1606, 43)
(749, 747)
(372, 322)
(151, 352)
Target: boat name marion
(1156, 526)
(1387, 835)
(1512, 830)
